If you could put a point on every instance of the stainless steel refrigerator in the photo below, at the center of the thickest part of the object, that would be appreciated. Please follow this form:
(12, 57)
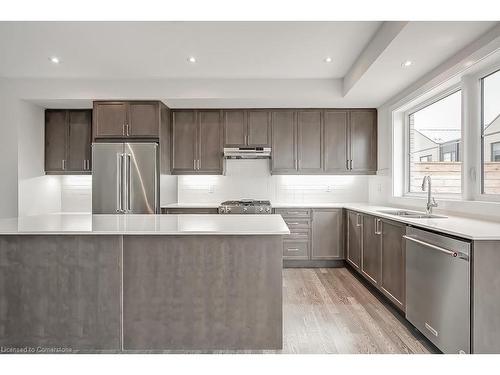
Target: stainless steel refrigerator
(125, 178)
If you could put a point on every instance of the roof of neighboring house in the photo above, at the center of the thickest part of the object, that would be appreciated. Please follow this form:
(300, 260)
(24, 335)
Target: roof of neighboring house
(441, 136)
(495, 121)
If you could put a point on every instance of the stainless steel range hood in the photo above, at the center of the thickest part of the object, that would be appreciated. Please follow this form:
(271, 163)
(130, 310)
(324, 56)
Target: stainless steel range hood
(247, 153)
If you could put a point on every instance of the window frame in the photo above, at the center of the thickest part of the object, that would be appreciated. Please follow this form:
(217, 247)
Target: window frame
(493, 151)
(481, 76)
(406, 147)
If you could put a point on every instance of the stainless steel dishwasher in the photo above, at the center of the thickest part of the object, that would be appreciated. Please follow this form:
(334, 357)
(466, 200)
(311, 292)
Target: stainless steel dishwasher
(438, 288)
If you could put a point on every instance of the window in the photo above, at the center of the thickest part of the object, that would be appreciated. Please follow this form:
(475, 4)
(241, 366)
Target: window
(434, 137)
(495, 151)
(490, 127)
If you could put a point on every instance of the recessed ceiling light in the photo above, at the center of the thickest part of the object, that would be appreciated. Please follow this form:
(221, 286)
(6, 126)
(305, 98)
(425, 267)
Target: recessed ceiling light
(54, 59)
(192, 59)
(328, 59)
(406, 63)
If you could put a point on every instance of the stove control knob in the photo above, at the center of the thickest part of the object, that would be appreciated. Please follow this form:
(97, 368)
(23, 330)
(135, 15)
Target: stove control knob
(245, 209)
(268, 209)
(261, 209)
(228, 209)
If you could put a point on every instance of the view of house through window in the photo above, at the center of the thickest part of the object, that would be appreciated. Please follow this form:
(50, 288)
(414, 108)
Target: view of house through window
(434, 146)
(491, 133)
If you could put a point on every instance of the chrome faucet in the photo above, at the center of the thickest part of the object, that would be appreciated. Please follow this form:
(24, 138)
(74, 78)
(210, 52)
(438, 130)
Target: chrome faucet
(431, 202)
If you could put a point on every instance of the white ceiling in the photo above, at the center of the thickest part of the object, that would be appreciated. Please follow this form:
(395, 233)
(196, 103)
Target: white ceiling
(160, 49)
(254, 64)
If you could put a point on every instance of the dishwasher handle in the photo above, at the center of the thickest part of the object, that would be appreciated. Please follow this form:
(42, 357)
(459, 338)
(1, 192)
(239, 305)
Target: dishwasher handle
(454, 254)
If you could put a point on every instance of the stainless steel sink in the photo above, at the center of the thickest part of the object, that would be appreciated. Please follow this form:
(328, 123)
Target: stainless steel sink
(411, 214)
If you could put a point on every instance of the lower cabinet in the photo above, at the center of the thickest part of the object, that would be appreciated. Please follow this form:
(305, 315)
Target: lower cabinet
(376, 249)
(393, 271)
(315, 234)
(371, 254)
(354, 238)
(327, 238)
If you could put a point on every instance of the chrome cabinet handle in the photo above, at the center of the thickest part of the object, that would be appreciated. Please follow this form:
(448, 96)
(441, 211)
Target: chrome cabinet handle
(378, 229)
(347, 164)
(292, 249)
(194, 164)
(63, 164)
(454, 254)
(358, 220)
(127, 127)
(350, 164)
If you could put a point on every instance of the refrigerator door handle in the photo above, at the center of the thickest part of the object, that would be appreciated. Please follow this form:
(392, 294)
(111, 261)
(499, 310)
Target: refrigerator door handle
(119, 179)
(127, 187)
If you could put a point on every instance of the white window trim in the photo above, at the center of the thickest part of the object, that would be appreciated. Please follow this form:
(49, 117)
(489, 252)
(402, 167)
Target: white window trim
(476, 172)
(406, 170)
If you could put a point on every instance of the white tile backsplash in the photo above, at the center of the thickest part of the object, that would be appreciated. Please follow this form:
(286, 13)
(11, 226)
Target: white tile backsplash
(252, 179)
(76, 193)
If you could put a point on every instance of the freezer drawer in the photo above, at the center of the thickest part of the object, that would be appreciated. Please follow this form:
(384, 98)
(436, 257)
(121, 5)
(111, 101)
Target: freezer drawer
(438, 289)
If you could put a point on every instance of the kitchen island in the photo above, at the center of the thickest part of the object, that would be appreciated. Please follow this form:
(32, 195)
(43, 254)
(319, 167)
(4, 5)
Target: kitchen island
(126, 283)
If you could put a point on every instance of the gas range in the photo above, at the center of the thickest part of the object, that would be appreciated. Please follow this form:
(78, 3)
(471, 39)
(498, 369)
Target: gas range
(245, 206)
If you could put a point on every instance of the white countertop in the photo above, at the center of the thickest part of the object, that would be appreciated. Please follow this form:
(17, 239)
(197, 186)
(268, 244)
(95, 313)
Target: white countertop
(470, 228)
(145, 224)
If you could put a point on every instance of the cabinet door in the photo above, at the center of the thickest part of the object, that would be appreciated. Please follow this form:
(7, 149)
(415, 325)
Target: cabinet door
(363, 140)
(327, 234)
(79, 144)
(393, 275)
(56, 127)
(335, 141)
(234, 128)
(259, 128)
(143, 119)
(210, 142)
(354, 238)
(184, 134)
(309, 142)
(109, 119)
(283, 158)
(371, 256)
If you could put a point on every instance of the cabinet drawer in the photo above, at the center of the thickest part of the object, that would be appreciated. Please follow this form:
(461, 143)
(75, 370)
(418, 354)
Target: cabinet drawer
(296, 249)
(294, 223)
(293, 212)
(301, 235)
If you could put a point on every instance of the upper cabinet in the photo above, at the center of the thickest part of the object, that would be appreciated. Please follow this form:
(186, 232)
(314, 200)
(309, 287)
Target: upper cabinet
(197, 142)
(363, 140)
(331, 141)
(247, 128)
(131, 119)
(68, 141)
(134, 120)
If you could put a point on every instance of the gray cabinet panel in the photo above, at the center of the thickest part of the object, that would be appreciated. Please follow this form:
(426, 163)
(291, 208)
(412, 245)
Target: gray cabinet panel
(143, 119)
(79, 140)
(56, 129)
(371, 253)
(363, 140)
(392, 279)
(354, 239)
(259, 128)
(295, 250)
(335, 141)
(202, 292)
(192, 211)
(209, 140)
(284, 142)
(184, 134)
(327, 234)
(60, 291)
(109, 119)
(309, 141)
(234, 128)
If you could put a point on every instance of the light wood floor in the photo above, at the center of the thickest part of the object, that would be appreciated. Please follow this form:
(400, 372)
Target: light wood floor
(329, 310)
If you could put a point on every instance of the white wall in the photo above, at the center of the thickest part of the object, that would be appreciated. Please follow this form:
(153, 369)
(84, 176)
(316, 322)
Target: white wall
(37, 193)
